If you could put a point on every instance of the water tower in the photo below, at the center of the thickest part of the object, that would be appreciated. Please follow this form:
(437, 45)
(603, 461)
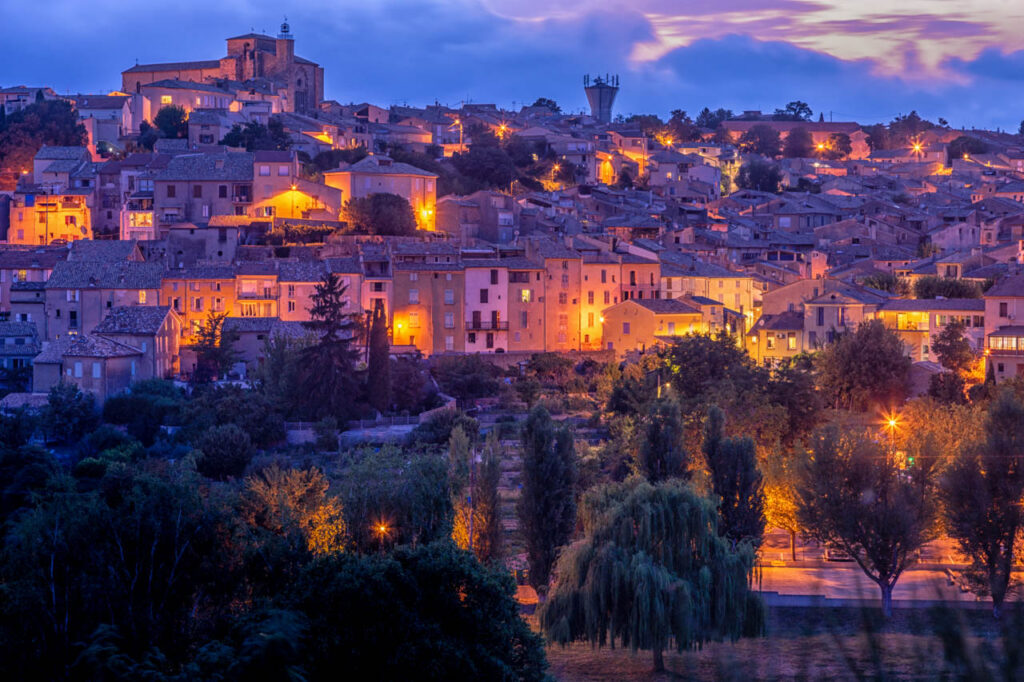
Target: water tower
(601, 95)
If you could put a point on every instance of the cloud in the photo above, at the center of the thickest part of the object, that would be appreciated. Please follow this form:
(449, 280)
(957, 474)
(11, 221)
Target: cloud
(735, 53)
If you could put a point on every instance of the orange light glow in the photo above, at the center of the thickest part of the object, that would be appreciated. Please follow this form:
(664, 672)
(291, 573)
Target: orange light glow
(294, 187)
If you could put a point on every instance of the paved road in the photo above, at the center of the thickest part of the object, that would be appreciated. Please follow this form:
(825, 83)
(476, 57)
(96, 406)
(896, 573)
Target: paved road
(847, 581)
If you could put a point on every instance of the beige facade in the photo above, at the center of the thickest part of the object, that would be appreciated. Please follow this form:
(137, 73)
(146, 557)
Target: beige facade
(639, 325)
(381, 175)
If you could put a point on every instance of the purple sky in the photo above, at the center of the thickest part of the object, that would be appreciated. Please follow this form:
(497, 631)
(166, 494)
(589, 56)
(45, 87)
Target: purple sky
(860, 60)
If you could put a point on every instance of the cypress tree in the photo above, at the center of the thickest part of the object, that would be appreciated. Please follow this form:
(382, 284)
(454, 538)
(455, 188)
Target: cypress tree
(735, 479)
(378, 380)
(661, 453)
(652, 571)
(547, 505)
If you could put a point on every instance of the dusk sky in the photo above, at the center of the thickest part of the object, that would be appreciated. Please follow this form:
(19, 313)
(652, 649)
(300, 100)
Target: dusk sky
(861, 60)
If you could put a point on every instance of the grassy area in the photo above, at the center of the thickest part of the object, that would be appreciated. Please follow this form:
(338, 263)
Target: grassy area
(801, 644)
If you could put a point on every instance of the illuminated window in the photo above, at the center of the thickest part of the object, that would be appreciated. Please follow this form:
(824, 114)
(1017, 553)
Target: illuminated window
(525, 295)
(165, 99)
(142, 295)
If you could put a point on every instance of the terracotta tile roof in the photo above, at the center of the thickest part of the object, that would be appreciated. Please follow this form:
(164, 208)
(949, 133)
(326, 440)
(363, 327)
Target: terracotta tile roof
(303, 271)
(134, 319)
(100, 275)
(174, 66)
(665, 306)
(226, 166)
(106, 251)
(1010, 286)
(83, 346)
(61, 153)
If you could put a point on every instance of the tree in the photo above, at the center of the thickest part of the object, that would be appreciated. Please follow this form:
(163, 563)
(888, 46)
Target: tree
(794, 111)
(947, 387)
(547, 103)
(864, 368)
(487, 167)
(487, 541)
(148, 135)
(254, 136)
(954, 349)
(390, 617)
(712, 119)
(292, 516)
(381, 213)
(661, 453)
(52, 122)
(624, 180)
(215, 353)
(781, 475)
(884, 281)
(225, 452)
(547, 505)
(378, 376)
(736, 480)
(651, 569)
(327, 371)
(465, 377)
(839, 146)
(759, 174)
(761, 139)
(854, 497)
(878, 136)
(681, 126)
(983, 494)
(934, 287)
(964, 146)
(69, 413)
(172, 121)
(799, 144)
(394, 496)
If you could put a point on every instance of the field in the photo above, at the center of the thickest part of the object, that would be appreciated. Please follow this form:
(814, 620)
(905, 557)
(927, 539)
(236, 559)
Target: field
(802, 644)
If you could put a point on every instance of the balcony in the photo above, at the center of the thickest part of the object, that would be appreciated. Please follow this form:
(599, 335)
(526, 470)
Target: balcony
(486, 326)
(260, 294)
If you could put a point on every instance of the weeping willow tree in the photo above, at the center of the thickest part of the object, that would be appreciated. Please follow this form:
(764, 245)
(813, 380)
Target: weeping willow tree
(651, 572)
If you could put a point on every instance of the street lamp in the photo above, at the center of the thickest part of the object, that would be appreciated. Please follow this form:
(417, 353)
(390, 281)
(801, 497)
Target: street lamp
(382, 530)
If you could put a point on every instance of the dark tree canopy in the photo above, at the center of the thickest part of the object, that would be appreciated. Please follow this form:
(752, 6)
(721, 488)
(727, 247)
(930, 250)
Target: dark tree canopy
(172, 121)
(854, 497)
(256, 136)
(982, 495)
(864, 369)
(651, 572)
(736, 480)
(759, 174)
(23, 133)
(933, 287)
(327, 371)
(547, 103)
(761, 139)
(381, 213)
(407, 617)
(799, 143)
(661, 453)
(794, 111)
(378, 377)
(712, 119)
(547, 506)
(954, 349)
